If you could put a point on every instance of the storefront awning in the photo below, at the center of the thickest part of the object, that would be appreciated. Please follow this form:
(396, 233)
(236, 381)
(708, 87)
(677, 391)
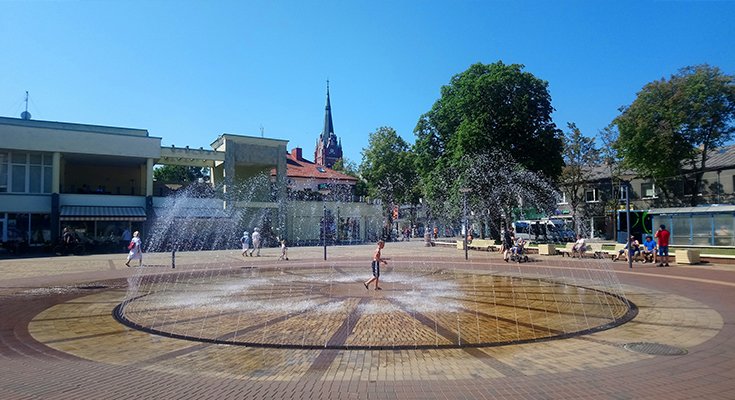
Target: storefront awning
(102, 213)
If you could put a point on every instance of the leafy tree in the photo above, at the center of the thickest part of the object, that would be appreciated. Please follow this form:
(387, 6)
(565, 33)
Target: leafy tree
(490, 107)
(348, 167)
(580, 156)
(678, 122)
(179, 174)
(499, 185)
(610, 159)
(387, 167)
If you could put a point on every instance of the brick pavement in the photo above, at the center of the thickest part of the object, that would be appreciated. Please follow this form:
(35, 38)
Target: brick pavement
(58, 339)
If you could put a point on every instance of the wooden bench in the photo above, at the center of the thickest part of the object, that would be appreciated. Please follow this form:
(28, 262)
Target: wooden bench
(567, 250)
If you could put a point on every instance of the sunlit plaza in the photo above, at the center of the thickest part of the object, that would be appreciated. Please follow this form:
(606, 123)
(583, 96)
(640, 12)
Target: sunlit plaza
(221, 325)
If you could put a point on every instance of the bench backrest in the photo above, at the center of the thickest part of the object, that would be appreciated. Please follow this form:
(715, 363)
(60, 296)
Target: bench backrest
(619, 246)
(569, 246)
(595, 246)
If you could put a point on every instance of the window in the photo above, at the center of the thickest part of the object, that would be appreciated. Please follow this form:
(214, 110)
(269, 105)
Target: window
(648, 190)
(621, 193)
(591, 196)
(19, 178)
(562, 199)
(4, 167)
(25, 172)
(689, 188)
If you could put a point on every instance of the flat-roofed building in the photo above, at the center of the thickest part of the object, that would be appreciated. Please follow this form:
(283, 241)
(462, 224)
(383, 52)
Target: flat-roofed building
(98, 180)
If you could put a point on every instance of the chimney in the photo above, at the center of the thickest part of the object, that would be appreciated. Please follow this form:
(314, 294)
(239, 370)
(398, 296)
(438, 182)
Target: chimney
(296, 153)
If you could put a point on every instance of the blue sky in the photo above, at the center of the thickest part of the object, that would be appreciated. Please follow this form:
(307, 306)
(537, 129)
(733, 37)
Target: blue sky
(189, 71)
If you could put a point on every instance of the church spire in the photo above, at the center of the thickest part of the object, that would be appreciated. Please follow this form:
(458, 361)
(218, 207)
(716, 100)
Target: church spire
(328, 126)
(329, 147)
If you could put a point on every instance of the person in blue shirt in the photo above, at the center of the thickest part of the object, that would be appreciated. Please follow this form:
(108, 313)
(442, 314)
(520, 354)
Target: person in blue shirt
(649, 250)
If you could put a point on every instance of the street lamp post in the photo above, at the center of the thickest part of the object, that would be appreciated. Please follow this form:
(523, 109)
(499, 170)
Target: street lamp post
(464, 192)
(324, 234)
(627, 223)
(324, 193)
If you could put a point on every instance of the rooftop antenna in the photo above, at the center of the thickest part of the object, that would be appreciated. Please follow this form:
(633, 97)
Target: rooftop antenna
(25, 114)
(262, 130)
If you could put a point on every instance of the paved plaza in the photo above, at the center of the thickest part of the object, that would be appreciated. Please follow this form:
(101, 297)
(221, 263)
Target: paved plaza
(222, 326)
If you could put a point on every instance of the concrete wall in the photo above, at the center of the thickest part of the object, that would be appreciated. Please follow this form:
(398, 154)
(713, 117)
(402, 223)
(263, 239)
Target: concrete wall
(33, 203)
(35, 138)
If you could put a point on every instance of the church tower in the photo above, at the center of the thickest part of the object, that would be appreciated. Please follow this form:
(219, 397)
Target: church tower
(328, 147)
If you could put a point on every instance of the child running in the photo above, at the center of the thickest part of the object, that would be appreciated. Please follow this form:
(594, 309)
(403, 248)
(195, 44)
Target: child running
(377, 259)
(245, 240)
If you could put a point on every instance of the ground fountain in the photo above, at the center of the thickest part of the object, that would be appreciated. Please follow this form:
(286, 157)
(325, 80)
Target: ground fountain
(316, 304)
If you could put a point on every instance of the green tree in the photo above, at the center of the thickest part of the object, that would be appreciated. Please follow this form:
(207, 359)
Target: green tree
(611, 161)
(678, 122)
(580, 156)
(491, 107)
(348, 167)
(387, 167)
(179, 173)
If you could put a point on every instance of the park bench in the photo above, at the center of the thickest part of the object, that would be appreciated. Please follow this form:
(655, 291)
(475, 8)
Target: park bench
(567, 250)
(614, 253)
(595, 249)
(478, 244)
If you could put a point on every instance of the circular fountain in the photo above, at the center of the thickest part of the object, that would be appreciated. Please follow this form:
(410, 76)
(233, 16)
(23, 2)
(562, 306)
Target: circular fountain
(424, 303)
(427, 306)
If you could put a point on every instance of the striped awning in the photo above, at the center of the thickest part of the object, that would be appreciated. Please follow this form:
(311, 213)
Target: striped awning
(102, 213)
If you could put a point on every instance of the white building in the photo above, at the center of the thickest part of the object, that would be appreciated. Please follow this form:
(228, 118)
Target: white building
(98, 180)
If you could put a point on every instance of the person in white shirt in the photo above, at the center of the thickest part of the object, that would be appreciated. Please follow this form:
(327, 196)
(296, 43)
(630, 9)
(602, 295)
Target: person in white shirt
(579, 246)
(256, 242)
(284, 249)
(136, 250)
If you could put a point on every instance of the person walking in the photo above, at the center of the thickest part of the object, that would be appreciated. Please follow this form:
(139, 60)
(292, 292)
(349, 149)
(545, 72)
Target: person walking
(136, 250)
(662, 236)
(377, 259)
(126, 238)
(508, 241)
(245, 241)
(256, 242)
(284, 250)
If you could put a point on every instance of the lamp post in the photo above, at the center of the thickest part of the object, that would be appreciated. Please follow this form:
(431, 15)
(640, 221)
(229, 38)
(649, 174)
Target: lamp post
(324, 193)
(464, 192)
(627, 223)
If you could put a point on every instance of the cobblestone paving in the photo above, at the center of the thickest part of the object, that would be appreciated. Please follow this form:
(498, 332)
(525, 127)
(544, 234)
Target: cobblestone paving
(59, 340)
